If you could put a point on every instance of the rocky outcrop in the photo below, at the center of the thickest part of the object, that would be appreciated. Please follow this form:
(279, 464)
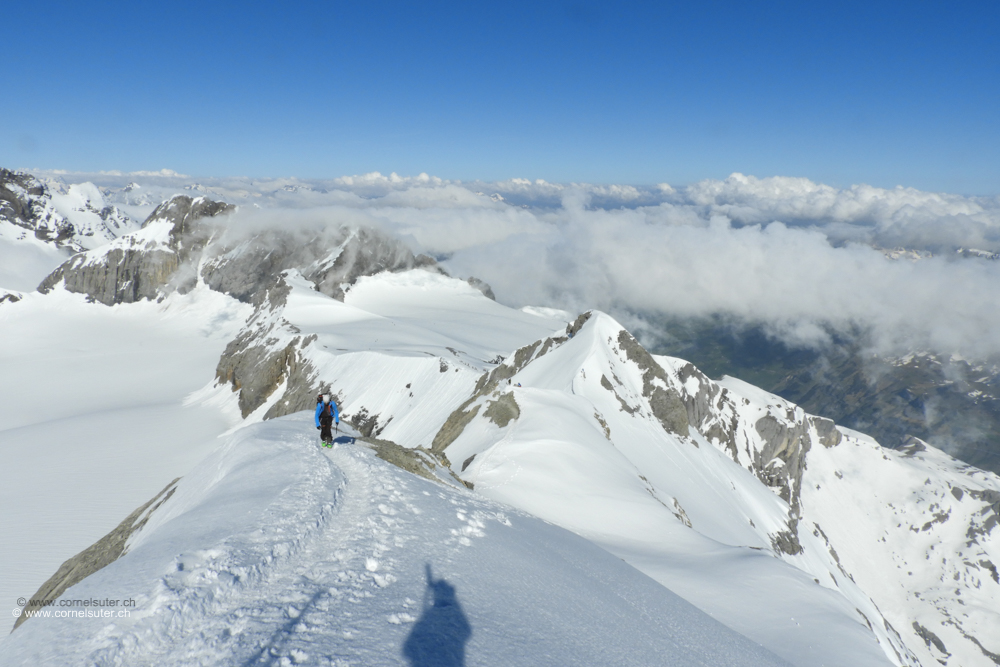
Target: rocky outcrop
(503, 410)
(491, 384)
(785, 439)
(332, 260)
(7, 296)
(17, 192)
(182, 242)
(266, 354)
(100, 554)
(483, 287)
(146, 264)
(270, 353)
(125, 275)
(664, 400)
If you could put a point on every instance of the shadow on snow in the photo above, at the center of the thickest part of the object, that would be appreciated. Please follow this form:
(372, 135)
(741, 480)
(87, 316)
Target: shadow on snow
(438, 637)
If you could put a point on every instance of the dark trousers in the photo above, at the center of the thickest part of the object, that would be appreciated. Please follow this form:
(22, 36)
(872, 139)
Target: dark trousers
(324, 431)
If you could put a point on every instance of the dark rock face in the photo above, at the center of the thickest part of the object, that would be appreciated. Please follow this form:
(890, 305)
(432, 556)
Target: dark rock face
(482, 287)
(102, 553)
(503, 410)
(124, 275)
(16, 191)
(255, 366)
(184, 214)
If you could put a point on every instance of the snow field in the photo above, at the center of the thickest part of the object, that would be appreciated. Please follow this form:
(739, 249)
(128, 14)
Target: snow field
(92, 421)
(24, 259)
(946, 573)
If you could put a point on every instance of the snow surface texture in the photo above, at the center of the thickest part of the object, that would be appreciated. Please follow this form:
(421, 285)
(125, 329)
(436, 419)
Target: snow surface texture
(276, 552)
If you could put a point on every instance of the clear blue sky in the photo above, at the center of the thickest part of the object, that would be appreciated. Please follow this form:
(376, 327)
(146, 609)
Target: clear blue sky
(885, 93)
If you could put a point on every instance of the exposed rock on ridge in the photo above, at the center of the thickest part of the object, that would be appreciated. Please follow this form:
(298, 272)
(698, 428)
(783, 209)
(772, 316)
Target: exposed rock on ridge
(100, 554)
(490, 385)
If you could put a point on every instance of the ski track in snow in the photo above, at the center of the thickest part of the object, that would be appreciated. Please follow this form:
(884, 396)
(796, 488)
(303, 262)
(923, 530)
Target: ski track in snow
(288, 610)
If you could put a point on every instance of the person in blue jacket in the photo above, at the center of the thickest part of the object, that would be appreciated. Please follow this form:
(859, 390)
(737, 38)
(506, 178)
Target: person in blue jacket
(326, 415)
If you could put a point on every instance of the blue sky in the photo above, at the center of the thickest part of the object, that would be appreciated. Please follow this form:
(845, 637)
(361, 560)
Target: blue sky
(885, 93)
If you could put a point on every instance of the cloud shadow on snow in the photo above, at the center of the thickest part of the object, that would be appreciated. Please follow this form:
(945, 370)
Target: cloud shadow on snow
(439, 636)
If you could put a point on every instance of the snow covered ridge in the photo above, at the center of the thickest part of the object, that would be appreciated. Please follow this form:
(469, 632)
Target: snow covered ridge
(276, 552)
(76, 219)
(876, 555)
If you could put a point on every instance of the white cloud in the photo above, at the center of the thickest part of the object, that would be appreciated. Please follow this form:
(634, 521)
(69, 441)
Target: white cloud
(788, 252)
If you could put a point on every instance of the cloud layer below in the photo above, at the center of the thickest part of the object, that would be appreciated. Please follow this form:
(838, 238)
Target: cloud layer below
(795, 255)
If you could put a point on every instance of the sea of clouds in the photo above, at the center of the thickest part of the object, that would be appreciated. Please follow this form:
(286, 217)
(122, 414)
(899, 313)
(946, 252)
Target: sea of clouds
(800, 258)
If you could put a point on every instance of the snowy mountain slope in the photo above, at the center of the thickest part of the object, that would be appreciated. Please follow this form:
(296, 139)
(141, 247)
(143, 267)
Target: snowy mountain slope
(400, 350)
(613, 473)
(394, 387)
(40, 227)
(92, 420)
(622, 440)
(706, 488)
(939, 516)
(74, 217)
(274, 551)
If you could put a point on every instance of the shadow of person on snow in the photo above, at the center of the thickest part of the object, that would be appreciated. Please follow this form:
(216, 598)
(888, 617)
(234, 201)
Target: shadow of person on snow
(343, 440)
(438, 637)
